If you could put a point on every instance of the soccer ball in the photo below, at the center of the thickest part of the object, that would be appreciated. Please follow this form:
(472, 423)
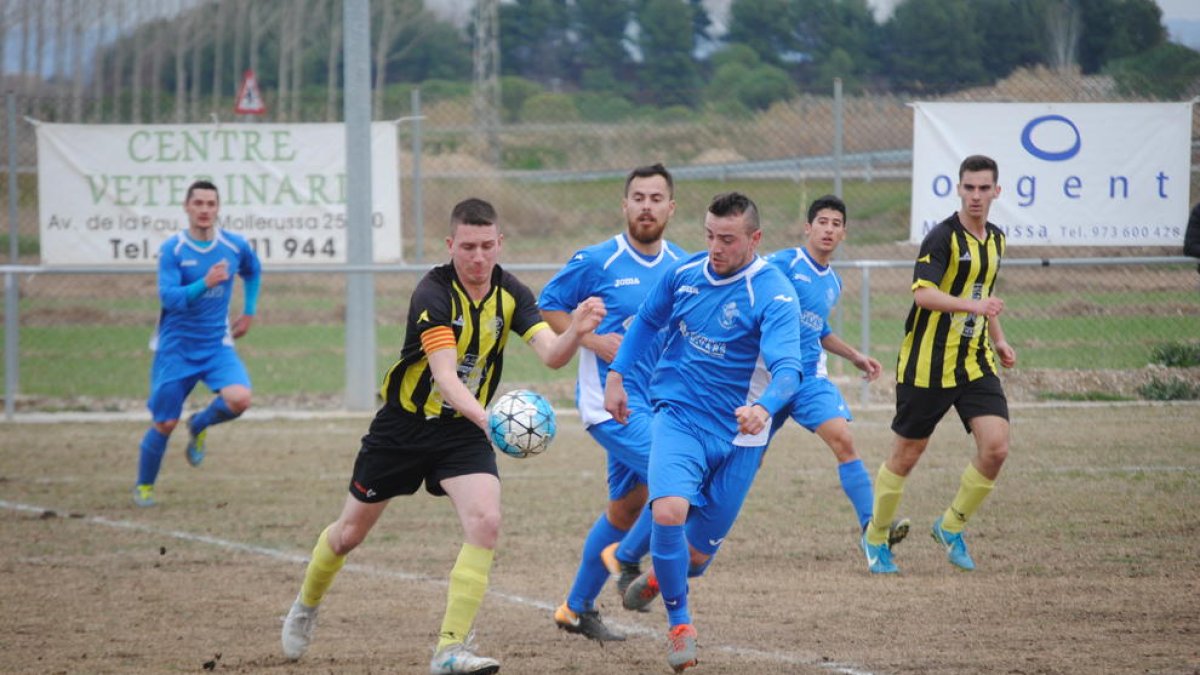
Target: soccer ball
(522, 423)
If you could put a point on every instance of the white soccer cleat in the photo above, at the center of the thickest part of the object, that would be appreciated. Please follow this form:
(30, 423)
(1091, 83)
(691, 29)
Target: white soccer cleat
(458, 659)
(298, 629)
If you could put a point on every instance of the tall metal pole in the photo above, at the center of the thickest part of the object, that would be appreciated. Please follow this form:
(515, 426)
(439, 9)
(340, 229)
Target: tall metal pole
(12, 332)
(418, 197)
(360, 286)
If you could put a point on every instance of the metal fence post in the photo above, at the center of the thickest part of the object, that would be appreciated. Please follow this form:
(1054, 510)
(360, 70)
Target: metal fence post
(12, 300)
(360, 286)
(865, 328)
(418, 210)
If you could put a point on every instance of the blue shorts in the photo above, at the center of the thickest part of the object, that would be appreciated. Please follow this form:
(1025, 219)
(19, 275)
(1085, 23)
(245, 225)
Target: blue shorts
(174, 375)
(817, 401)
(711, 473)
(628, 447)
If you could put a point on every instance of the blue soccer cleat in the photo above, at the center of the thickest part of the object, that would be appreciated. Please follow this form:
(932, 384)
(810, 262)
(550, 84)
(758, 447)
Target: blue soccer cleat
(195, 446)
(879, 557)
(956, 547)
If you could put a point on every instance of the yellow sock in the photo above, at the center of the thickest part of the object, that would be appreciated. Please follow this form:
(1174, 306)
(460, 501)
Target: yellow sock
(323, 566)
(468, 583)
(889, 487)
(973, 488)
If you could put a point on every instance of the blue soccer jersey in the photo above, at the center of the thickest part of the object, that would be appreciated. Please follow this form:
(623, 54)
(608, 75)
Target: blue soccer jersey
(193, 319)
(818, 289)
(621, 276)
(725, 336)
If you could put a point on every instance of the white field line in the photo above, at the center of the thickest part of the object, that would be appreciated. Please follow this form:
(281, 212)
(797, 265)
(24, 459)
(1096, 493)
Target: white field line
(299, 559)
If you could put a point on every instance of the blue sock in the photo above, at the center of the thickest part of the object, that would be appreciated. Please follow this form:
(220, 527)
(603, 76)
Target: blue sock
(636, 543)
(153, 447)
(668, 546)
(592, 573)
(856, 483)
(215, 413)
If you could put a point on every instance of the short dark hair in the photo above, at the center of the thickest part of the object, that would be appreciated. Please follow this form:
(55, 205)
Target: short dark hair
(831, 202)
(652, 170)
(979, 163)
(735, 204)
(472, 211)
(200, 185)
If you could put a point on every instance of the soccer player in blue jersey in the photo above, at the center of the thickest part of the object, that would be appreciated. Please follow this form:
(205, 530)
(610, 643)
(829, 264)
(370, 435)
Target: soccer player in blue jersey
(732, 333)
(621, 271)
(818, 405)
(193, 341)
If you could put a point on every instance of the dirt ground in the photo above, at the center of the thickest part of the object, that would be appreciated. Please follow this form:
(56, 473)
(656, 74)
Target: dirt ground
(1087, 553)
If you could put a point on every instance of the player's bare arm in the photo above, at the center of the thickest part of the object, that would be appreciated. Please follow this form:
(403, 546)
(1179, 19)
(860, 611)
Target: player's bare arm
(604, 345)
(1007, 355)
(241, 326)
(752, 419)
(871, 368)
(216, 274)
(443, 364)
(556, 349)
(937, 300)
(616, 400)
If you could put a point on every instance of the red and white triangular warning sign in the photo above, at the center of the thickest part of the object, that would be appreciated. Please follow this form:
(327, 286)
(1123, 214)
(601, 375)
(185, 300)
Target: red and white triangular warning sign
(249, 98)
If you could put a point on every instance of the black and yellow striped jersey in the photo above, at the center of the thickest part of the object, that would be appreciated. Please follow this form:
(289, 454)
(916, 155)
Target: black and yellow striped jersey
(440, 307)
(948, 349)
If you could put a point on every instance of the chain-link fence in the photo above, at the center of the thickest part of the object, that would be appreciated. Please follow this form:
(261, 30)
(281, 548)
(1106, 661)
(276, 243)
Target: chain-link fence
(1088, 324)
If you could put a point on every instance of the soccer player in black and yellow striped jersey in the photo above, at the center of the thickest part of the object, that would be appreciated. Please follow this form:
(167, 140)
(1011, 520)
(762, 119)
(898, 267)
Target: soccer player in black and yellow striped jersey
(432, 428)
(952, 342)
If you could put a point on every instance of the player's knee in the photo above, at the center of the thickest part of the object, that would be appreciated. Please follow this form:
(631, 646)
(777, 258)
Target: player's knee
(165, 428)
(238, 400)
(483, 528)
(698, 564)
(346, 538)
(843, 449)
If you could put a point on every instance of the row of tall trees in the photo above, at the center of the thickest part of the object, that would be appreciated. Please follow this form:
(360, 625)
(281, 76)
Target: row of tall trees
(174, 60)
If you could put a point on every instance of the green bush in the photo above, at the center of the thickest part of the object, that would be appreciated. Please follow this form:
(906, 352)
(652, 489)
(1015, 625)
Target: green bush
(1176, 354)
(549, 107)
(1173, 389)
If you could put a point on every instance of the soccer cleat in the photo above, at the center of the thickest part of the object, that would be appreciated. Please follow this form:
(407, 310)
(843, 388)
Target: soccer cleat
(879, 557)
(625, 572)
(681, 647)
(898, 530)
(298, 629)
(587, 624)
(143, 495)
(641, 592)
(195, 446)
(956, 547)
(458, 659)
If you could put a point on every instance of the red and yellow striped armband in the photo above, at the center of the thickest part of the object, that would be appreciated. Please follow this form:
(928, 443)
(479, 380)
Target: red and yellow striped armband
(438, 337)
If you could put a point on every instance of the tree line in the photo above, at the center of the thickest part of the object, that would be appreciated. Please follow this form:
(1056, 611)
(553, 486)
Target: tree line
(146, 60)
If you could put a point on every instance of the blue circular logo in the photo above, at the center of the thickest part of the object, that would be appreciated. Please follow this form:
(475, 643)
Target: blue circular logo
(1049, 156)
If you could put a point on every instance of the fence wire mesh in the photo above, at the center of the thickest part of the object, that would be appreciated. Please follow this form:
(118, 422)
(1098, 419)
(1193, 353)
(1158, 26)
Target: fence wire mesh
(1089, 330)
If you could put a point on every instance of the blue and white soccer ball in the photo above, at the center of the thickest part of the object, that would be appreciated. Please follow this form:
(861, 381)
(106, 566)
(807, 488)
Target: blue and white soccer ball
(522, 423)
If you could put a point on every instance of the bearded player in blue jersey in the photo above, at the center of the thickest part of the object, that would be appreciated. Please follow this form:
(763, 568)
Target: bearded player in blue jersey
(621, 271)
(732, 333)
(818, 405)
(193, 341)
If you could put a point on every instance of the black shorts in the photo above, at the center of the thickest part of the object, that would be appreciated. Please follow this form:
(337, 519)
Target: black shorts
(401, 450)
(919, 409)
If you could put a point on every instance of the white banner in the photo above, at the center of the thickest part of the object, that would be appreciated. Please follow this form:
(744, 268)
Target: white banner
(1071, 174)
(110, 194)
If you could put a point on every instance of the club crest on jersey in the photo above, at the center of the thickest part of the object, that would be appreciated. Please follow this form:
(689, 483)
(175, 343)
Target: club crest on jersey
(729, 315)
(497, 326)
(830, 298)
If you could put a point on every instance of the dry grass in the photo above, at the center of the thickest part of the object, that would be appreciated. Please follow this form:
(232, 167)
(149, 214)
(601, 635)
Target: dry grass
(1087, 557)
